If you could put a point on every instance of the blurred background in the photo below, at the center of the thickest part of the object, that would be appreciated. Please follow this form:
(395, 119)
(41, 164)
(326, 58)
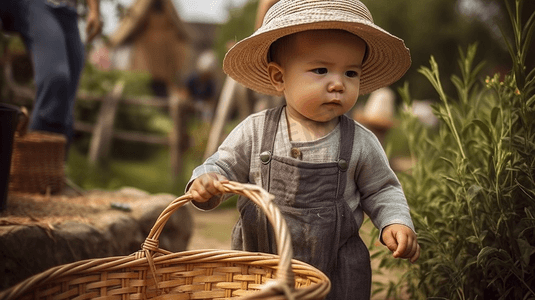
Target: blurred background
(160, 63)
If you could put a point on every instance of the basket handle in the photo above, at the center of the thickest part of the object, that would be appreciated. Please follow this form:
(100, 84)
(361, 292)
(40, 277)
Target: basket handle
(285, 276)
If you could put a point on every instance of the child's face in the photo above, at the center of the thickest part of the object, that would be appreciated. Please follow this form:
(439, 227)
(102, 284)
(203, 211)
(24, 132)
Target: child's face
(319, 73)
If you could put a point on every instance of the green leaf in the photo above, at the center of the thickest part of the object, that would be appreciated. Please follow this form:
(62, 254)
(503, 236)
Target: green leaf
(530, 101)
(477, 70)
(494, 115)
(449, 162)
(488, 253)
(473, 240)
(459, 85)
(452, 180)
(528, 212)
(507, 42)
(526, 250)
(465, 130)
(473, 191)
(527, 34)
(405, 94)
(484, 127)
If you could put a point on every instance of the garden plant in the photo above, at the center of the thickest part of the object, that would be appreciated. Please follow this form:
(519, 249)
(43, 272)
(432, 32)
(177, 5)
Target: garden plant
(472, 186)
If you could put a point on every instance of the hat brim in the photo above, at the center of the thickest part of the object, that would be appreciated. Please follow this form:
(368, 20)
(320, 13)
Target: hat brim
(387, 60)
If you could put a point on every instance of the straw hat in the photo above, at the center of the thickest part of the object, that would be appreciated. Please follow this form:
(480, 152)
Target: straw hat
(387, 59)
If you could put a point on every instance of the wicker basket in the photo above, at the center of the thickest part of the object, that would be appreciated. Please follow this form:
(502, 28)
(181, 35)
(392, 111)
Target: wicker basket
(37, 162)
(154, 273)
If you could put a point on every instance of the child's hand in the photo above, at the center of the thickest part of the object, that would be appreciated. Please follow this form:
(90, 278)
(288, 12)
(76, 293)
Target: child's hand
(206, 186)
(402, 241)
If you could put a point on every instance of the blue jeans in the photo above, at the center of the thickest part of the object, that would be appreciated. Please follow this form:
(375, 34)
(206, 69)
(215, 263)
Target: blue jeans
(52, 37)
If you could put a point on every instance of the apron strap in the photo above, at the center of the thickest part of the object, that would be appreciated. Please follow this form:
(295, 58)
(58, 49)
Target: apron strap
(347, 135)
(271, 123)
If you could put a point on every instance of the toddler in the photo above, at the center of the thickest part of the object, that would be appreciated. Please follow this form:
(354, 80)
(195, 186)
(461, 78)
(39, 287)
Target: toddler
(324, 169)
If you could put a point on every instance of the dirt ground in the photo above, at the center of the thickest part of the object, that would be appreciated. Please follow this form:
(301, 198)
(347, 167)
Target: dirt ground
(212, 230)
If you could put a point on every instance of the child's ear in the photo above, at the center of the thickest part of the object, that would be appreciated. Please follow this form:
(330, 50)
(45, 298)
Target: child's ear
(276, 76)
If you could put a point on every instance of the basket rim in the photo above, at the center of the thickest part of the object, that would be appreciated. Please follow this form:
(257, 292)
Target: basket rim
(49, 136)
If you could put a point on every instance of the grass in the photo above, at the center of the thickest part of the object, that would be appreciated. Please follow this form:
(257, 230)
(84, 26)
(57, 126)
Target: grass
(151, 175)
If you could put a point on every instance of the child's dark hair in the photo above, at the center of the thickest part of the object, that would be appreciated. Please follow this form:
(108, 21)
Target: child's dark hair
(281, 45)
(277, 47)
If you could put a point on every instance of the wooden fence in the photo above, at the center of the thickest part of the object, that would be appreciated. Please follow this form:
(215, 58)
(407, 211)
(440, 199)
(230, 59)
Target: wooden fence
(102, 132)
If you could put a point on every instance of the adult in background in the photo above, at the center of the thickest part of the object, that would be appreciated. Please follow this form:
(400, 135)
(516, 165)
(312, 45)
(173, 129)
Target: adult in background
(49, 29)
(201, 85)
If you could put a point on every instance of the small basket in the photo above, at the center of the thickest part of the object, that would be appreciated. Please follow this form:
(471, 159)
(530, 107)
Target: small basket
(154, 273)
(38, 161)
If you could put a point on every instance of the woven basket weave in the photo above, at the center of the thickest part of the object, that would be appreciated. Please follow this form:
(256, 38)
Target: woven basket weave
(37, 163)
(154, 273)
(38, 160)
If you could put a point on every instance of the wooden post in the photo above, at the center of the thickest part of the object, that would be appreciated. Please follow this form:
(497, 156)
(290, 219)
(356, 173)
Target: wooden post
(103, 133)
(244, 101)
(176, 136)
(223, 110)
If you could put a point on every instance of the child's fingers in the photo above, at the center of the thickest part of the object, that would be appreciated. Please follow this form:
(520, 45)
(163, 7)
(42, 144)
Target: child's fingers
(218, 184)
(402, 241)
(199, 192)
(202, 194)
(390, 241)
(208, 183)
(402, 244)
(411, 249)
(416, 255)
(206, 186)
(219, 187)
(210, 190)
(196, 196)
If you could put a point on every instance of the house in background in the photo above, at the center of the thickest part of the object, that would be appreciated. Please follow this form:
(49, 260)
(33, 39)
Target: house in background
(203, 36)
(152, 38)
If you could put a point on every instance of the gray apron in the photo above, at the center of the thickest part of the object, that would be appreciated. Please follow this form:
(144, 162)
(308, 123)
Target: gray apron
(310, 196)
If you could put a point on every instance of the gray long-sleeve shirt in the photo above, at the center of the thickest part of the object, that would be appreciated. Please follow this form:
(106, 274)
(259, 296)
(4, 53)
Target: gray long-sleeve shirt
(372, 187)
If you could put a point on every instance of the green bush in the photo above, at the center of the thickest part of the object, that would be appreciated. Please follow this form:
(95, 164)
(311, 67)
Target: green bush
(472, 190)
